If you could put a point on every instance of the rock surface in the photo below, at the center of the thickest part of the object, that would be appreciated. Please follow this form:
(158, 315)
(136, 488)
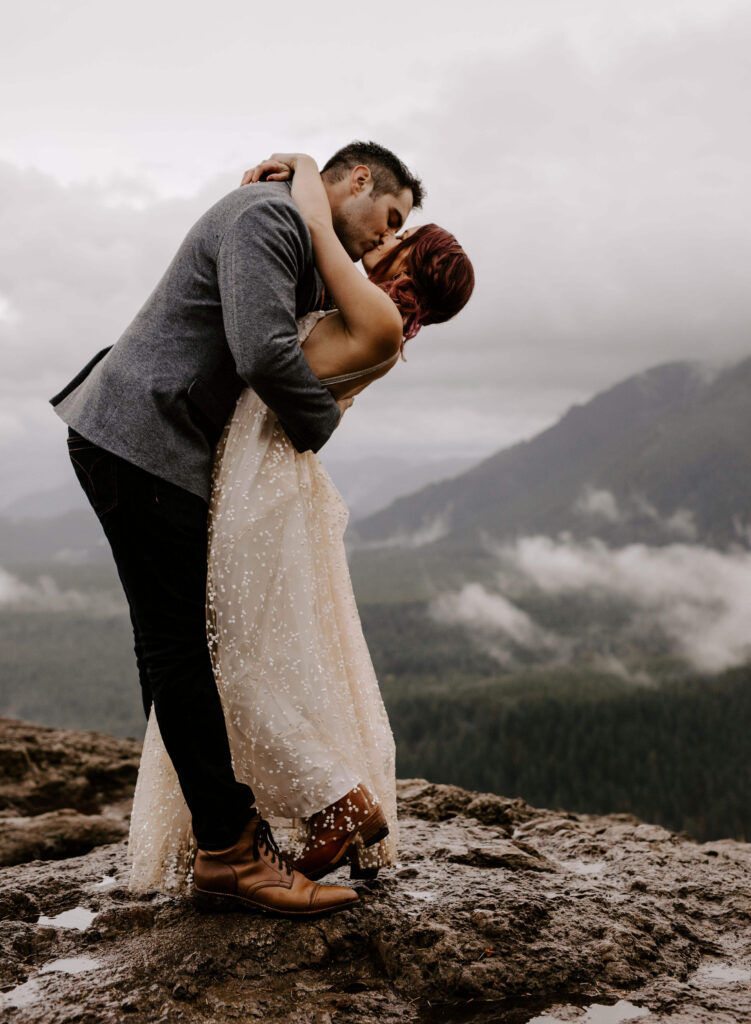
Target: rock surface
(496, 911)
(62, 792)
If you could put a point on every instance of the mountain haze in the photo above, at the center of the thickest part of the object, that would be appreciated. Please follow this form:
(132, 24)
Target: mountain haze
(58, 525)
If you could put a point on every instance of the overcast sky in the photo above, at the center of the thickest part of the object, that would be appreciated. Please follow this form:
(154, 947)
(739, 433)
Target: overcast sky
(593, 157)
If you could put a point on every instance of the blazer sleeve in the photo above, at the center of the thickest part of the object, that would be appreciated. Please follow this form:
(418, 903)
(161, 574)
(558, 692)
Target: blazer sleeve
(260, 260)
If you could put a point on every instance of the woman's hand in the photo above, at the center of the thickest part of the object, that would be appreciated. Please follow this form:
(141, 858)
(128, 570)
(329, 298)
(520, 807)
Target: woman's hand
(307, 188)
(278, 167)
(344, 404)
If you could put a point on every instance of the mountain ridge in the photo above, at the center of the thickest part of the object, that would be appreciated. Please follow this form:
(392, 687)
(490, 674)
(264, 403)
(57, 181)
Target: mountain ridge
(666, 440)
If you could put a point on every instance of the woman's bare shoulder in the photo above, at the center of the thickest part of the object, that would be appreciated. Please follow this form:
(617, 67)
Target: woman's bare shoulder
(332, 350)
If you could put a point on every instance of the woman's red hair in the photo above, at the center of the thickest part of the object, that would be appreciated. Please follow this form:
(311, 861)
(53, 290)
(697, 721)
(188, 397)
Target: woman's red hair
(437, 282)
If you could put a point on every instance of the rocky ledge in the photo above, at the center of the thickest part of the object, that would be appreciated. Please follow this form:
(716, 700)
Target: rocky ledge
(496, 911)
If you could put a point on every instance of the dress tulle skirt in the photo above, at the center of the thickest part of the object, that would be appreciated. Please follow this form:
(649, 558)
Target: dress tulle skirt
(304, 713)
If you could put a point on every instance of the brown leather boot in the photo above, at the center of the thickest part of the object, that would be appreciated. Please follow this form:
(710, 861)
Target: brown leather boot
(253, 873)
(334, 834)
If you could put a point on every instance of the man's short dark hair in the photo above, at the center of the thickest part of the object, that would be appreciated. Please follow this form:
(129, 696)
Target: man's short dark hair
(388, 172)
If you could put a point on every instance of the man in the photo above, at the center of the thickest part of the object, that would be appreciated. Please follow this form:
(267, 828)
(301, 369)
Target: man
(144, 418)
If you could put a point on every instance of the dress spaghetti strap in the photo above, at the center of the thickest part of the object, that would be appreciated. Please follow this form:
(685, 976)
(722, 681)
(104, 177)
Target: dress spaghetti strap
(359, 373)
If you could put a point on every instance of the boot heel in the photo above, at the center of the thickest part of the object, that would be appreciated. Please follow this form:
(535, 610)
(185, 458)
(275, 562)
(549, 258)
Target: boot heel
(355, 870)
(358, 872)
(375, 828)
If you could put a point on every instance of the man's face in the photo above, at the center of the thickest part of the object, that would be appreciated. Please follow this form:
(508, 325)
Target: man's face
(362, 223)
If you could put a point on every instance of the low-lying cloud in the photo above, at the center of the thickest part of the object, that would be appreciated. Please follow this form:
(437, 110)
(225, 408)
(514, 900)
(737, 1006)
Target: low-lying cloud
(428, 533)
(481, 610)
(44, 595)
(697, 598)
(599, 503)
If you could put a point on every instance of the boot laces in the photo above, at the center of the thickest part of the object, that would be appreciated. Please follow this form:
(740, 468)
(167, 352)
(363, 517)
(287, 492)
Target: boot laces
(263, 836)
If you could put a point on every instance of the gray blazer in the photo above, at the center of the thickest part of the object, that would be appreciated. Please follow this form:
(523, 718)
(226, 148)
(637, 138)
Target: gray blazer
(222, 318)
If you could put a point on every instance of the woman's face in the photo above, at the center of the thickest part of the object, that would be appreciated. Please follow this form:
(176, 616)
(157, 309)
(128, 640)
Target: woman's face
(373, 256)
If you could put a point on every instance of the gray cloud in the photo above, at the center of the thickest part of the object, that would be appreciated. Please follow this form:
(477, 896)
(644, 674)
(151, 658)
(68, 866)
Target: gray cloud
(608, 204)
(593, 163)
(75, 266)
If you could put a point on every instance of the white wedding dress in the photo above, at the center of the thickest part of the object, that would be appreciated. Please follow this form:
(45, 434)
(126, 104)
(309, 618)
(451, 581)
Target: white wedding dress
(304, 713)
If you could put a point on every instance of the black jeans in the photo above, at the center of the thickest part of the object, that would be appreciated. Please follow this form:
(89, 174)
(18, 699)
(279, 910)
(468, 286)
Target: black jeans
(158, 535)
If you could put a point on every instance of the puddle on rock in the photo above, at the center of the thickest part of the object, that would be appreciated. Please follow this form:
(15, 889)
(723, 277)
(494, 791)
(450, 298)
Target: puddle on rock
(32, 990)
(597, 1013)
(79, 918)
(22, 995)
(420, 894)
(583, 867)
(108, 882)
(71, 965)
(724, 973)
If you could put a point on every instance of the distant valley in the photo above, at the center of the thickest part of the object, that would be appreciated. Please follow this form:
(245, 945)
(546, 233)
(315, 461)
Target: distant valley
(57, 524)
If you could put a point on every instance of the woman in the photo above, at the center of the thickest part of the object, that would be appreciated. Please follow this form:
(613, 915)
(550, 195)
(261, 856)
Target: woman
(305, 720)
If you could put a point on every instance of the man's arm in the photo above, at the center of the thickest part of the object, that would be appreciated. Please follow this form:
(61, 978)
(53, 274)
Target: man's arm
(259, 263)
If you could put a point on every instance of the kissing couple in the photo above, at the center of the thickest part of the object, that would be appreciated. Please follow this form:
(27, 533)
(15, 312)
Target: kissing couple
(194, 438)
